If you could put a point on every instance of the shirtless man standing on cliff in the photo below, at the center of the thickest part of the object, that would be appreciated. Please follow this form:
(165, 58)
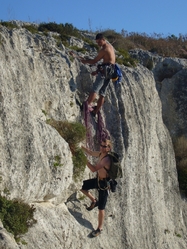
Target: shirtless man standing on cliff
(99, 183)
(104, 72)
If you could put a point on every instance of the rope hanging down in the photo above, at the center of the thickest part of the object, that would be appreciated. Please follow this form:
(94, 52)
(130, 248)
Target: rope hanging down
(88, 125)
(101, 132)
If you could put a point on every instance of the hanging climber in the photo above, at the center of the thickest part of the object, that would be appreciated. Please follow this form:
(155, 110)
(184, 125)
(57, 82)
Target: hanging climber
(104, 71)
(100, 182)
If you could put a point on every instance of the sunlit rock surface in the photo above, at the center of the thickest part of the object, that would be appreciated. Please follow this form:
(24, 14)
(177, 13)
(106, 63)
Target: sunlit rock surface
(39, 81)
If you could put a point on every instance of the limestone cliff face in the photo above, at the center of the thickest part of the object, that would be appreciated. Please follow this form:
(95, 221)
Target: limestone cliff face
(171, 82)
(39, 81)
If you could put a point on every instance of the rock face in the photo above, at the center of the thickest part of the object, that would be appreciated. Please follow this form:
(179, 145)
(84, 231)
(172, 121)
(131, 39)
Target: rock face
(171, 82)
(40, 81)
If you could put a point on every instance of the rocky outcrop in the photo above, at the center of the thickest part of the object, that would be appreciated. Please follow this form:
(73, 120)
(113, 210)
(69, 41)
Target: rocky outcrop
(170, 77)
(174, 101)
(40, 81)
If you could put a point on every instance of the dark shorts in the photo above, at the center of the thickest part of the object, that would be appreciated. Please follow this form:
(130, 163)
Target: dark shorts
(103, 79)
(101, 85)
(103, 194)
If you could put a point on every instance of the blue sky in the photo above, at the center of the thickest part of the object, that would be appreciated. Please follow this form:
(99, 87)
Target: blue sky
(166, 17)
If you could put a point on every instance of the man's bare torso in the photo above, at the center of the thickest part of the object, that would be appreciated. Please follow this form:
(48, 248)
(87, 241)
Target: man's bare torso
(108, 54)
(105, 161)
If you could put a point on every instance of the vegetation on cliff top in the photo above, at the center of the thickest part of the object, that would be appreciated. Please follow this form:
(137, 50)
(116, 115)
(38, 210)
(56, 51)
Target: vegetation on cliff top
(167, 46)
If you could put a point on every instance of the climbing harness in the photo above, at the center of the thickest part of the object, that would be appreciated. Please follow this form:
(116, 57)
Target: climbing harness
(106, 70)
(106, 182)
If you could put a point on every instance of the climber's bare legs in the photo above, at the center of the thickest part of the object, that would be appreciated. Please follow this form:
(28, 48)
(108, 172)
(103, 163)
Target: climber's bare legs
(100, 101)
(91, 97)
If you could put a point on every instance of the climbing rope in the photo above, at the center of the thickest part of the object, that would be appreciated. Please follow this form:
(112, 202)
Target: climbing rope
(88, 125)
(101, 131)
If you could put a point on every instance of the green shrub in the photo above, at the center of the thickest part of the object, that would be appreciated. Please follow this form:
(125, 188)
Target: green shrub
(124, 58)
(52, 26)
(79, 162)
(33, 29)
(65, 30)
(9, 25)
(16, 216)
(73, 133)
